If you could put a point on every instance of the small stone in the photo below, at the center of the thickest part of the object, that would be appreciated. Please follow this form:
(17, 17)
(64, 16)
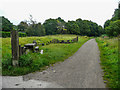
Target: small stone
(39, 84)
(16, 84)
(41, 51)
(54, 71)
(44, 72)
(35, 42)
(43, 44)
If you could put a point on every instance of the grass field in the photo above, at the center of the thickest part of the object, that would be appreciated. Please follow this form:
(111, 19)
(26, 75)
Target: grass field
(35, 61)
(109, 61)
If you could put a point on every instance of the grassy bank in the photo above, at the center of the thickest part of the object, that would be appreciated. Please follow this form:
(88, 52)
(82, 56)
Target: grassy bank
(109, 60)
(35, 61)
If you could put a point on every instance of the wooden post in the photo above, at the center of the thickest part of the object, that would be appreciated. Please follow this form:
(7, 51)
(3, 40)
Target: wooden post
(15, 47)
(20, 50)
(77, 38)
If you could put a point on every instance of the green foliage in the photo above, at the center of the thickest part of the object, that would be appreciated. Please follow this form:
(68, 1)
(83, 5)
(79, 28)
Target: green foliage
(112, 26)
(36, 30)
(6, 24)
(7, 63)
(119, 11)
(23, 26)
(50, 26)
(35, 61)
(78, 27)
(25, 60)
(72, 27)
(55, 26)
(103, 35)
(5, 34)
(107, 23)
(61, 26)
(21, 34)
(84, 27)
(113, 29)
(109, 61)
(8, 34)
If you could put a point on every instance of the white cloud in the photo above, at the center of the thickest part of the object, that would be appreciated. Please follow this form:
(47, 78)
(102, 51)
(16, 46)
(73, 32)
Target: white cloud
(96, 10)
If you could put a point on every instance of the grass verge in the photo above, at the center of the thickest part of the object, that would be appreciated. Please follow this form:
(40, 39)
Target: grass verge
(109, 60)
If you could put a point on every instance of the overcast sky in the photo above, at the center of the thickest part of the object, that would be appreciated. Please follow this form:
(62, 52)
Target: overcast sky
(95, 10)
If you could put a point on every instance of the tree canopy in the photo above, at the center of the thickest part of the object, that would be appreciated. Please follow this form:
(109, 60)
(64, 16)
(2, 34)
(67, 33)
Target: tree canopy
(113, 29)
(6, 24)
(112, 26)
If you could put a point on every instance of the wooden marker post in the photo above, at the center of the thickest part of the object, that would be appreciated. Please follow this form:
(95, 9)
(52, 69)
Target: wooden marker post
(15, 47)
(77, 38)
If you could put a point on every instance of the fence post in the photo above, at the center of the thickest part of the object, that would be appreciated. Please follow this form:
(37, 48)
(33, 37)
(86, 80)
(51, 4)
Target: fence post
(20, 50)
(77, 38)
(15, 47)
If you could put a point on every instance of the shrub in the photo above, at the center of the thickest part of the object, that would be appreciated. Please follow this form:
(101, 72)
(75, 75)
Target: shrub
(22, 34)
(7, 34)
(25, 60)
(7, 63)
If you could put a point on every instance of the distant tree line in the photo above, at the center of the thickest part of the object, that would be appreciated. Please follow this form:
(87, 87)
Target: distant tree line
(54, 26)
(112, 26)
(59, 26)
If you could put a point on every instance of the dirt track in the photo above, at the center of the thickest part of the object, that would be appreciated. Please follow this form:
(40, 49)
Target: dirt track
(82, 70)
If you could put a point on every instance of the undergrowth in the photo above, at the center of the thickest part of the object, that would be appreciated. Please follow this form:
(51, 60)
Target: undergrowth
(109, 61)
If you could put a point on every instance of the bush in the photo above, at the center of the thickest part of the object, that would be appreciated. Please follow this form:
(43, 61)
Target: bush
(103, 35)
(22, 34)
(7, 34)
(7, 63)
(4, 34)
(25, 60)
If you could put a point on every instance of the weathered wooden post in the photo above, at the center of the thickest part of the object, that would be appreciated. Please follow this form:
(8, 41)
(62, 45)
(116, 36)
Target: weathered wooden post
(15, 47)
(20, 50)
(77, 38)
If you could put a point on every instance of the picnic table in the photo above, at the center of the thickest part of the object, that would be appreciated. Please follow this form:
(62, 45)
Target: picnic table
(30, 46)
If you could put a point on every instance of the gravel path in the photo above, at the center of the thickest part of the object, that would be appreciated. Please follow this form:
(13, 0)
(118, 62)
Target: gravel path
(82, 70)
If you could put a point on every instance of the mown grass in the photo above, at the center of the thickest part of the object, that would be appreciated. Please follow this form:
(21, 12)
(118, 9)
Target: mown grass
(109, 61)
(35, 61)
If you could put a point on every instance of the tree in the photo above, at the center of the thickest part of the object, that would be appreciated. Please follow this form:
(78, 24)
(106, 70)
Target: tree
(61, 26)
(112, 26)
(89, 28)
(50, 26)
(34, 28)
(107, 23)
(6, 24)
(72, 27)
(113, 29)
(115, 16)
(23, 26)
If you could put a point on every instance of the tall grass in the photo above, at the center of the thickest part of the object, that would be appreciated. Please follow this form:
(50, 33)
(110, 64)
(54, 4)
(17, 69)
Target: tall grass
(109, 60)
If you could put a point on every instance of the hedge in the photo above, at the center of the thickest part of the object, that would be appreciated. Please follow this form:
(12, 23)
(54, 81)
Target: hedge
(7, 34)
(22, 34)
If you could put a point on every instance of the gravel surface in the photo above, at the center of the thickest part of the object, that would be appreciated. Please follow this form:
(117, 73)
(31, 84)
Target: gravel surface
(82, 70)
